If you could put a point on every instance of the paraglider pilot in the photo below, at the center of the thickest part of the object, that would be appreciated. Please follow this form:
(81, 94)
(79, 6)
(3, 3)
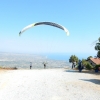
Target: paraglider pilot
(30, 65)
(44, 64)
(80, 66)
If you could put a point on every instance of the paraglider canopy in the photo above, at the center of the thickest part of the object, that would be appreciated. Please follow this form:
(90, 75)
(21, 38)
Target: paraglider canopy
(44, 23)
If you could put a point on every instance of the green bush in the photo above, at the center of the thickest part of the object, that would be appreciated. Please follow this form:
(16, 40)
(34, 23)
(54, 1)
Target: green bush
(96, 67)
(84, 62)
(89, 66)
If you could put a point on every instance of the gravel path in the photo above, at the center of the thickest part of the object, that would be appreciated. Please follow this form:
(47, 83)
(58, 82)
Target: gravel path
(48, 84)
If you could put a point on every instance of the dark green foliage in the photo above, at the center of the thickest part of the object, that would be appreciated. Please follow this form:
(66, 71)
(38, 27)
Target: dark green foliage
(73, 58)
(96, 67)
(98, 54)
(97, 47)
(89, 57)
(86, 64)
(89, 66)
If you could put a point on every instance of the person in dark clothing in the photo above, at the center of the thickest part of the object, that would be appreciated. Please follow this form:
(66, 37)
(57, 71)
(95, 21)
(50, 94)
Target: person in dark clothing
(44, 66)
(30, 65)
(80, 66)
(72, 65)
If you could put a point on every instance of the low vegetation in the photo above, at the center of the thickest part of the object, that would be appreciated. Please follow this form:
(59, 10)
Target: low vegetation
(86, 64)
(9, 68)
(97, 67)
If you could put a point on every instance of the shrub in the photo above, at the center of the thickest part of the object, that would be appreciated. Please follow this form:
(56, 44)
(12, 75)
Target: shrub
(89, 66)
(97, 66)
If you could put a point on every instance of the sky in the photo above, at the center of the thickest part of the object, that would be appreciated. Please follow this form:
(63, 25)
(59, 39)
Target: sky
(80, 17)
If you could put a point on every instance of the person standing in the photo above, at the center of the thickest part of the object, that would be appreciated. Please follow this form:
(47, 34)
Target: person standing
(80, 66)
(44, 64)
(30, 65)
(74, 64)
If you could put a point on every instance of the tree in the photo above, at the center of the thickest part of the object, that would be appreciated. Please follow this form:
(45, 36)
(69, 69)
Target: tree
(97, 47)
(73, 58)
(89, 57)
(87, 64)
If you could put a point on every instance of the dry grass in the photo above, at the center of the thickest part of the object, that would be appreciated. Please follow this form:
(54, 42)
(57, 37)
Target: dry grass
(9, 68)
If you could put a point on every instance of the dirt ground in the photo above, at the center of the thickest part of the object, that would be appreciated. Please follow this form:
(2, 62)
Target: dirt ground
(49, 84)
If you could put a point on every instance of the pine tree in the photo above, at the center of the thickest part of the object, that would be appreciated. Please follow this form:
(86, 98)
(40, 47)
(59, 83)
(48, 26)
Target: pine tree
(97, 47)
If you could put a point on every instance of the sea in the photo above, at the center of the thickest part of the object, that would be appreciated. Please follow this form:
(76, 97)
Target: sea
(22, 60)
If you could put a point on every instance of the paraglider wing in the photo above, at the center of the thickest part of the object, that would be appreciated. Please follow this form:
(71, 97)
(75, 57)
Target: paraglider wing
(44, 23)
(26, 28)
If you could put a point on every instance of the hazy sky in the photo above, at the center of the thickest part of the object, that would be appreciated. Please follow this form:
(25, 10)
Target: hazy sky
(80, 17)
